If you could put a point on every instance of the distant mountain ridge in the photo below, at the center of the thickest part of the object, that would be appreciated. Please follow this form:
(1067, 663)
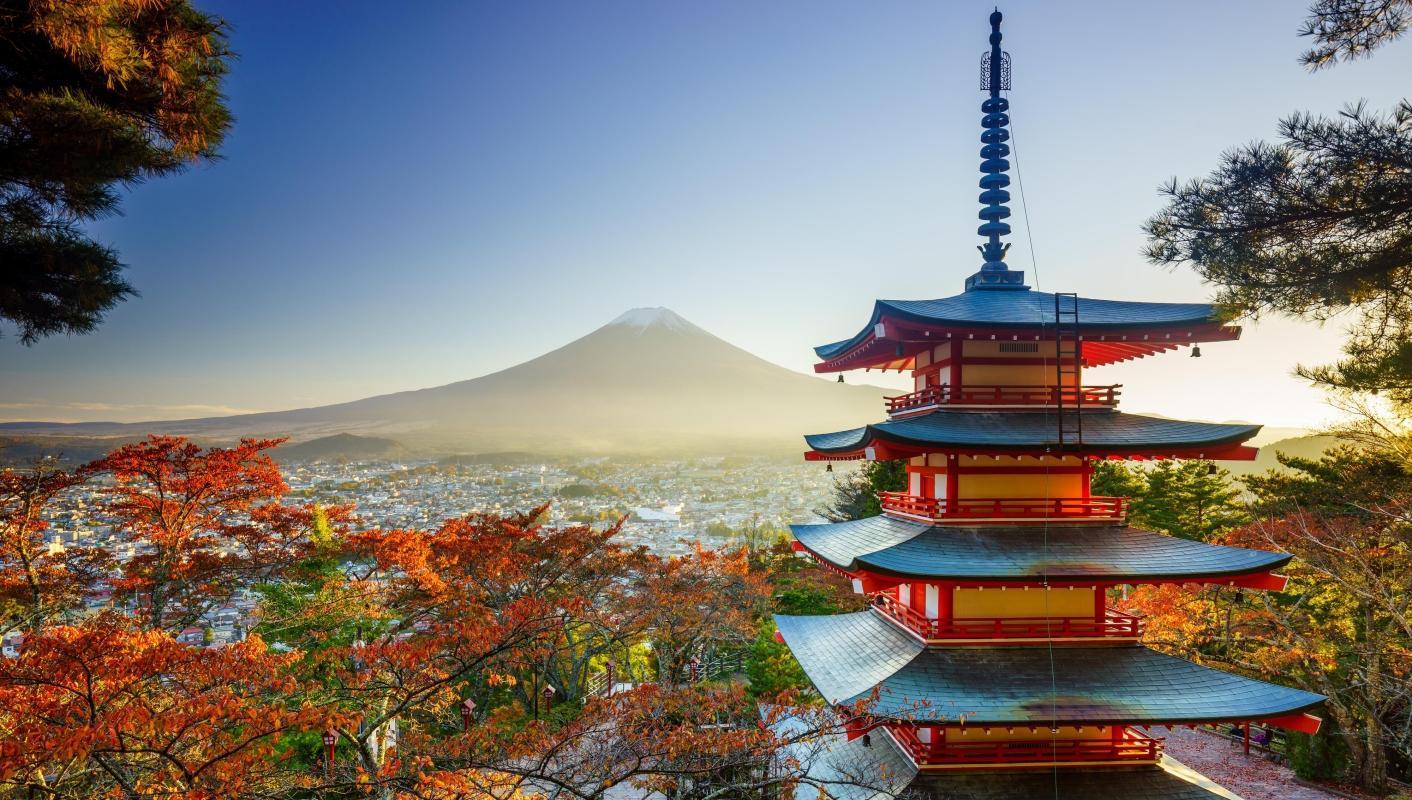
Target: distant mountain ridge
(648, 382)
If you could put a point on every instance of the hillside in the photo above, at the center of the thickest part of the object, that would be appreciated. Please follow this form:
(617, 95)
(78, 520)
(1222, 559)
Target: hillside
(648, 382)
(341, 447)
(1311, 446)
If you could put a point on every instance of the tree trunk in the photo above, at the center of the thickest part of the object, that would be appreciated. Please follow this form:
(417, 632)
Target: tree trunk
(1373, 772)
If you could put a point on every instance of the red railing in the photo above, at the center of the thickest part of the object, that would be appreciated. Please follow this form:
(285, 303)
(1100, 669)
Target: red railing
(1114, 625)
(1004, 396)
(1003, 507)
(1130, 746)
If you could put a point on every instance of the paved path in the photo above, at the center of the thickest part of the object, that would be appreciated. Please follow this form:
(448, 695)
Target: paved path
(1224, 761)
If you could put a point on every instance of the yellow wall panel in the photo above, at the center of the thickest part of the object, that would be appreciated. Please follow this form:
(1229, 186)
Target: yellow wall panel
(1052, 486)
(976, 733)
(1011, 603)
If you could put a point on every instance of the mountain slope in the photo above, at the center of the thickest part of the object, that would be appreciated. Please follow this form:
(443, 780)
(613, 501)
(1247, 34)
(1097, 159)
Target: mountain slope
(648, 382)
(341, 447)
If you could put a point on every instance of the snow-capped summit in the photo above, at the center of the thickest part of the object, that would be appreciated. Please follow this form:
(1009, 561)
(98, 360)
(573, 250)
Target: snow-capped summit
(659, 317)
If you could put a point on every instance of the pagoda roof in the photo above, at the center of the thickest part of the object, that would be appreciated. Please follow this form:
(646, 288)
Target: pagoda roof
(849, 770)
(845, 768)
(1111, 552)
(1113, 330)
(1105, 432)
(847, 655)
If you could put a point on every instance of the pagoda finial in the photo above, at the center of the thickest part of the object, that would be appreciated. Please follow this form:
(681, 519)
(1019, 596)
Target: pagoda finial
(995, 78)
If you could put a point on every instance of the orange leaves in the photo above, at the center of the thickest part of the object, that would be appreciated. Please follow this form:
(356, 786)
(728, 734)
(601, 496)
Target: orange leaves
(208, 521)
(106, 703)
(37, 580)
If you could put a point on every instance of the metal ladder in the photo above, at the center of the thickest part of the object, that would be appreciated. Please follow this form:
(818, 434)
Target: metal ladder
(1068, 353)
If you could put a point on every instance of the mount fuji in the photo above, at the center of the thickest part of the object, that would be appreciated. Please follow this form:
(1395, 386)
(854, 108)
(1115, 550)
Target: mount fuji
(649, 382)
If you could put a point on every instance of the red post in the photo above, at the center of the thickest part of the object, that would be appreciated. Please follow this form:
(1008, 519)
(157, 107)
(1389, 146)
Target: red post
(467, 709)
(330, 740)
(608, 670)
(1247, 738)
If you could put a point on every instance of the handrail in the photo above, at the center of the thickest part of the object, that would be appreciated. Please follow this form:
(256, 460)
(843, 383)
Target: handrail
(1003, 395)
(1115, 624)
(1003, 507)
(1131, 746)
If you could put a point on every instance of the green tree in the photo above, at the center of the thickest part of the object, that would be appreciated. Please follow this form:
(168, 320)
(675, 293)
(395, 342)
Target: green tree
(97, 95)
(1116, 479)
(855, 495)
(1189, 499)
(1319, 223)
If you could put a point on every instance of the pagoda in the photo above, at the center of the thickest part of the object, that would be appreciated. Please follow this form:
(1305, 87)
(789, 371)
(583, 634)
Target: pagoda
(990, 663)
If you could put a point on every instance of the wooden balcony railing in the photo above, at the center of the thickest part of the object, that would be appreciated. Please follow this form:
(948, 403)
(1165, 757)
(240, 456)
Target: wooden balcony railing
(1131, 746)
(1114, 625)
(1004, 507)
(1003, 396)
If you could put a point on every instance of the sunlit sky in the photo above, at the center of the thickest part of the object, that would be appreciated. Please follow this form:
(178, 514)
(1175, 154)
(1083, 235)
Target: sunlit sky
(426, 193)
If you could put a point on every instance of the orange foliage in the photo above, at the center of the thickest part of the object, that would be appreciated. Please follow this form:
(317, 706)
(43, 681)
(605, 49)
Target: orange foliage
(135, 713)
(35, 580)
(205, 522)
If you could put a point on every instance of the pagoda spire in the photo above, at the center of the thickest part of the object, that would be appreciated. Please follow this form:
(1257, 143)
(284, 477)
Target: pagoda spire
(995, 78)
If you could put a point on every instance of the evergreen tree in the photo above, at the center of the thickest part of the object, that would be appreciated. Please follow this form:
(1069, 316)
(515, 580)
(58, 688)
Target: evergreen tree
(1116, 479)
(1189, 499)
(855, 496)
(94, 95)
(1319, 223)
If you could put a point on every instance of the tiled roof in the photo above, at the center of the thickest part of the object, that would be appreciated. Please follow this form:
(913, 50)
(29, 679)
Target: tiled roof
(1112, 552)
(844, 655)
(1030, 429)
(846, 770)
(1025, 308)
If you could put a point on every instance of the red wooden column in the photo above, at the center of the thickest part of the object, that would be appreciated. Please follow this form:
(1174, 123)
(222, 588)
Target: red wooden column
(953, 481)
(1247, 738)
(944, 604)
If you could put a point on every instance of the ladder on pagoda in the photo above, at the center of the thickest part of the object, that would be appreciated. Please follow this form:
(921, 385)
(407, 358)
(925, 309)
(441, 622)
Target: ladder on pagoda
(1068, 349)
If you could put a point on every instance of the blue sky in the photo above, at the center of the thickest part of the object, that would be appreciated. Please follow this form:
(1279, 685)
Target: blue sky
(426, 193)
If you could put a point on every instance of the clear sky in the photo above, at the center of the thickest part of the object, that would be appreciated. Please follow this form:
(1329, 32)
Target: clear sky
(420, 193)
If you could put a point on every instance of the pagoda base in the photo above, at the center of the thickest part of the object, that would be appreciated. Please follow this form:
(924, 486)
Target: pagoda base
(878, 769)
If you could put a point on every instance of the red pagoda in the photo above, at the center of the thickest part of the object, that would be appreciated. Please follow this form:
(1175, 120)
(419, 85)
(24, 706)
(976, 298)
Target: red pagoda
(990, 662)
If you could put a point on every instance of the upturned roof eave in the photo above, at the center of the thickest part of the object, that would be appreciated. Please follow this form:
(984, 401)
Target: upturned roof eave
(892, 309)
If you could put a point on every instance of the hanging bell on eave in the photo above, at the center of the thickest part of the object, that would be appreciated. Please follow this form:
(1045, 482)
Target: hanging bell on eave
(1196, 351)
(840, 377)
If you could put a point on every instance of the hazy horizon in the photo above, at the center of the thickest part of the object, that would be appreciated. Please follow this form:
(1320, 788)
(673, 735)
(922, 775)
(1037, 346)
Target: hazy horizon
(765, 171)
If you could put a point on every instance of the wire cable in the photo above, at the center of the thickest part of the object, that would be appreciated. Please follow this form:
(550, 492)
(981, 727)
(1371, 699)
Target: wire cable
(1044, 362)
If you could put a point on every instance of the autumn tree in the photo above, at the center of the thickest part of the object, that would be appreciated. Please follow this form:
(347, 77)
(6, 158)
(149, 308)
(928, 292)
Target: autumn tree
(98, 95)
(699, 604)
(1319, 223)
(1342, 627)
(206, 522)
(1345, 625)
(110, 709)
(38, 581)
